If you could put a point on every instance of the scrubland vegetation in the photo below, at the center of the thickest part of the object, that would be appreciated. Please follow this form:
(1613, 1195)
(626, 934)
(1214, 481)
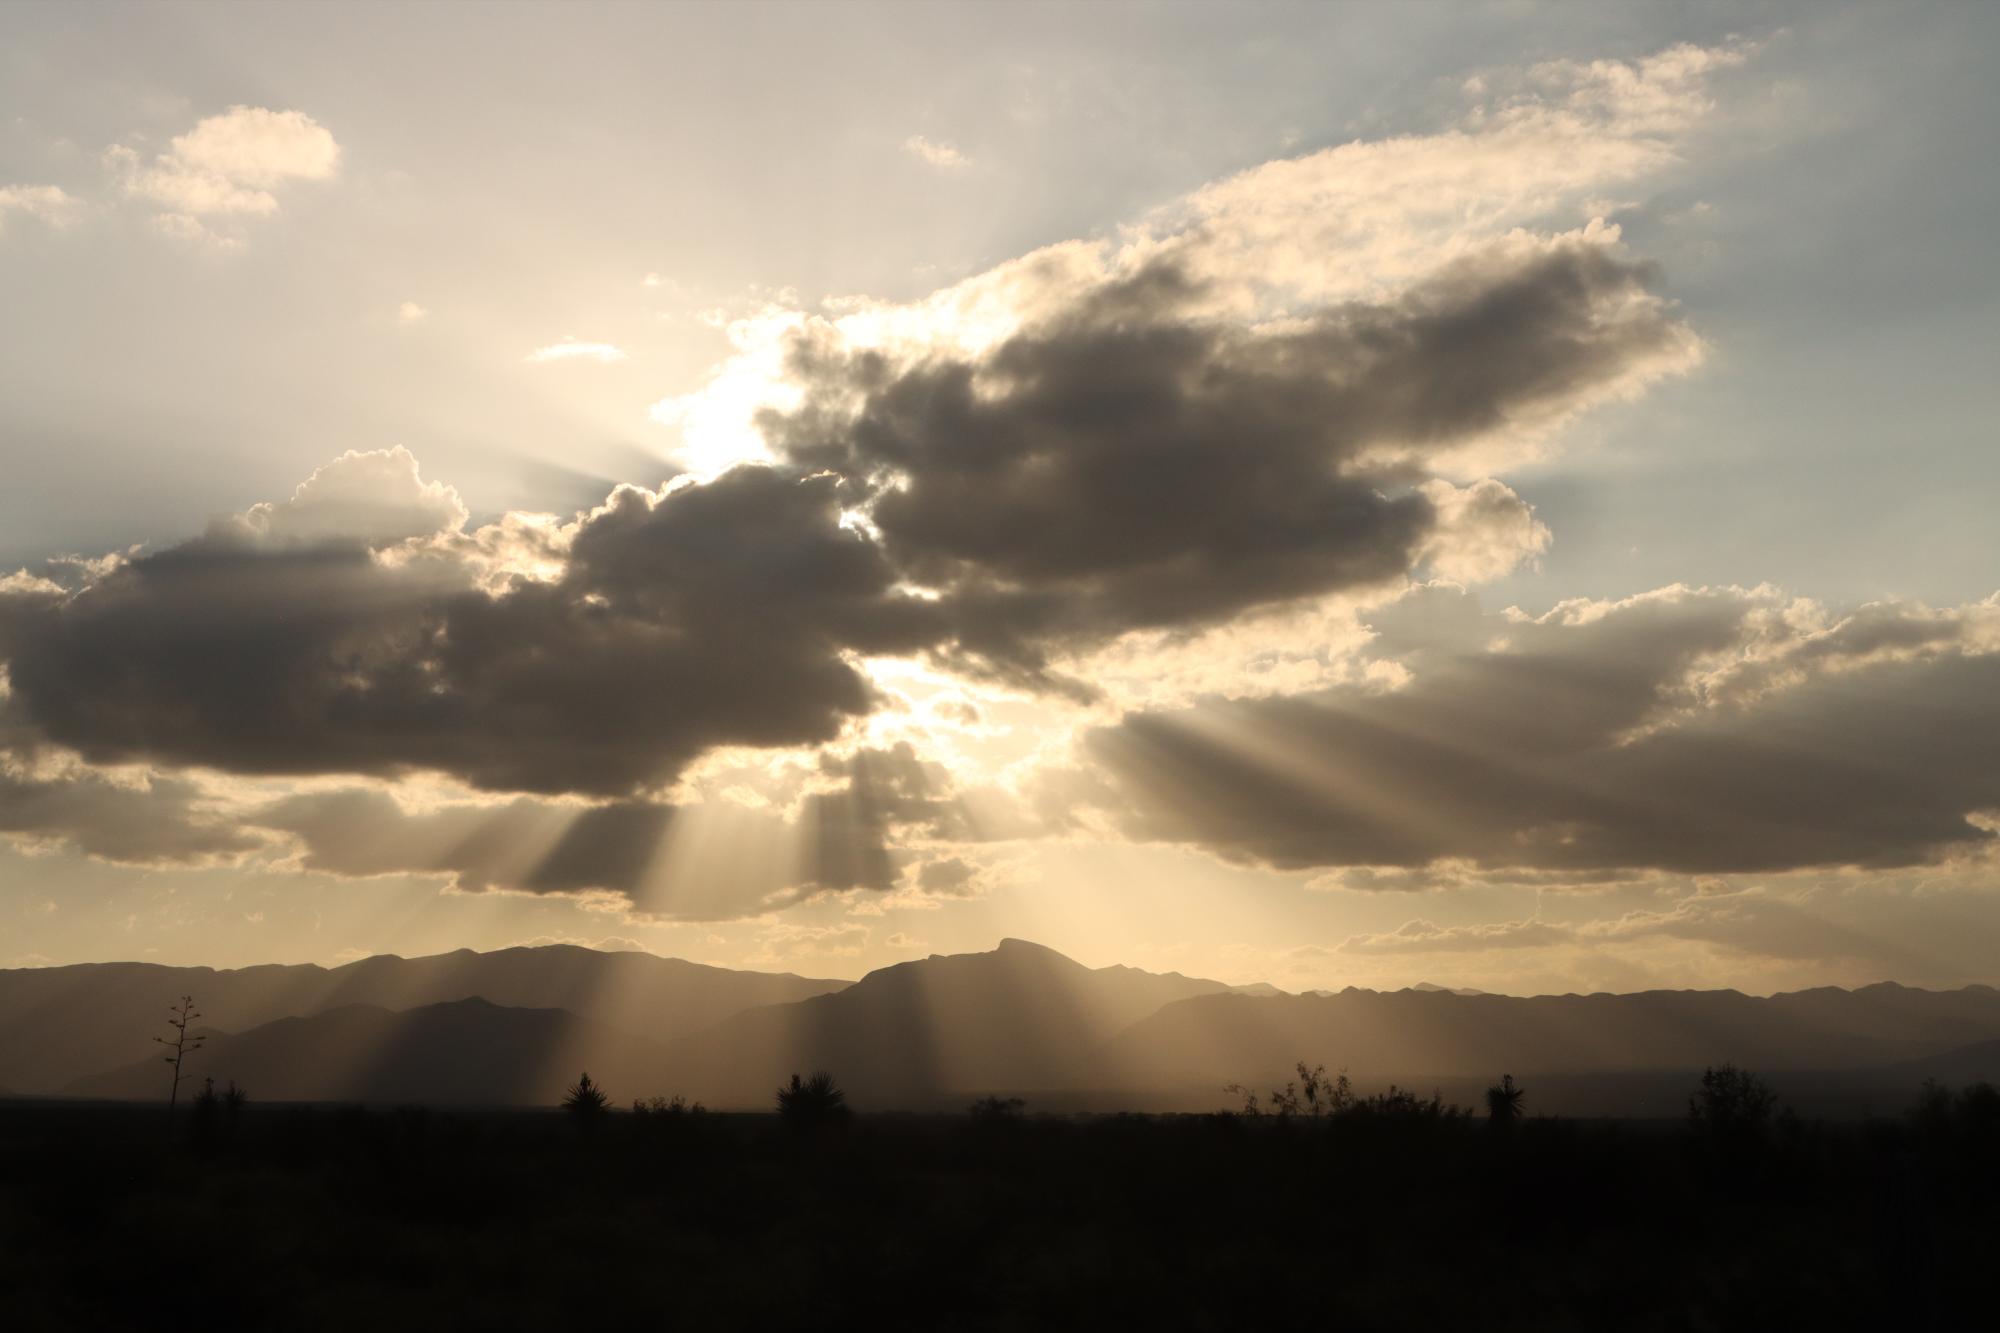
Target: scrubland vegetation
(1324, 1208)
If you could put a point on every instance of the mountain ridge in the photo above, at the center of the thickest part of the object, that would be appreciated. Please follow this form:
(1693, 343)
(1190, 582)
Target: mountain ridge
(468, 1052)
(84, 1018)
(1019, 1019)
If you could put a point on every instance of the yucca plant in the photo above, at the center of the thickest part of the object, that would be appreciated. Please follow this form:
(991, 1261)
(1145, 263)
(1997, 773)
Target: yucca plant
(585, 1100)
(811, 1103)
(1503, 1101)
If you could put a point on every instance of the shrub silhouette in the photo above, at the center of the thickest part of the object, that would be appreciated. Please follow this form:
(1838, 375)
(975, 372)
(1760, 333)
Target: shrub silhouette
(1503, 1101)
(1979, 1107)
(1731, 1109)
(585, 1100)
(1404, 1106)
(216, 1115)
(1974, 1110)
(1312, 1094)
(1731, 1099)
(203, 1112)
(676, 1109)
(997, 1110)
(812, 1103)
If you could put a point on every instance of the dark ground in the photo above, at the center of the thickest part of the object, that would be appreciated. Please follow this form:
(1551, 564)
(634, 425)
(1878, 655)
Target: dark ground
(318, 1217)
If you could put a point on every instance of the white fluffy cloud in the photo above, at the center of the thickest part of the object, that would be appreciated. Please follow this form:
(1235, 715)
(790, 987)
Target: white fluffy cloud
(228, 165)
(47, 204)
(1484, 531)
(376, 498)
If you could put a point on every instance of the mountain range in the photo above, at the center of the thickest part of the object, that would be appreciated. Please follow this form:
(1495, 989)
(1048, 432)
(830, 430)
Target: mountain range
(515, 1026)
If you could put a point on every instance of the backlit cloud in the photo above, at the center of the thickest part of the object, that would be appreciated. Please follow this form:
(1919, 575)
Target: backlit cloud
(50, 205)
(1601, 739)
(229, 165)
(932, 152)
(571, 350)
(1208, 494)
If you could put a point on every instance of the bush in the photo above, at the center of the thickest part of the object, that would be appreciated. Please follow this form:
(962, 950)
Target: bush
(677, 1109)
(1731, 1103)
(1314, 1096)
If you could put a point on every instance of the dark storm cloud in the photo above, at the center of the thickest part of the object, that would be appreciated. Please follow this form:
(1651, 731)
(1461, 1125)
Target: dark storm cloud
(1609, 740)
(711, 615)
(1130, 464)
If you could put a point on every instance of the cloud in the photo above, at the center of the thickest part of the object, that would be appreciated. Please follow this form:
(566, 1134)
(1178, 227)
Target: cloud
(1890, 931)
(1285, 386)
(935, 153)
(1359, 223)
(950, 876)
(377, 499)
(1424, 937)
(603, 944)
(1279, 392)
(1481, 532)
(571, 350)
(1753, 922)
(659, 859)
(47, 204)
(1178, 472)
(1602, 740)
(409, 312)
(710, 859)
(1456, 873)
(141, 820)
(331, 634)
(785, 942)
(228, 166)
(1356, 220)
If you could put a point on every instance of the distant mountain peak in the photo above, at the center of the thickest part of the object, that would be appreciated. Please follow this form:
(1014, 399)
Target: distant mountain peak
(1013, 945)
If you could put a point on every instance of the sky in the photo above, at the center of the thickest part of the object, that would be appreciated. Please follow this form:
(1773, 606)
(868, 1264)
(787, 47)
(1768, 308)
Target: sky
(1497, 495)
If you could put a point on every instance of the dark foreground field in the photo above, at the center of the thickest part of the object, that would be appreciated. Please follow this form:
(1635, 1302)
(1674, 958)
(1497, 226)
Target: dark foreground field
(309, 1218)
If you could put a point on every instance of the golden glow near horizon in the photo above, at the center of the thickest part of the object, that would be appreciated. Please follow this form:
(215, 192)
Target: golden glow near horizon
(1002, 652)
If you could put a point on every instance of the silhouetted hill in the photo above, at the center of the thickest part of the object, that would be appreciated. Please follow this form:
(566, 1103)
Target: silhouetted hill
(1022, 1018)
(1424, 1035)
(65, 1022)
(465, 1053)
